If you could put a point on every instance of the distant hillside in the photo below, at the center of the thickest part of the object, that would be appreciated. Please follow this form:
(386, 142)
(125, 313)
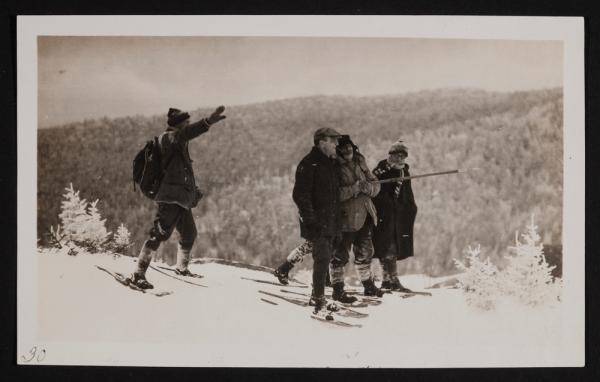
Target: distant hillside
(246, 166)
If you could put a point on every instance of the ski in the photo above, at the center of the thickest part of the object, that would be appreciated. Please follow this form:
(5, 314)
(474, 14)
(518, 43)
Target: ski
(371, 300)
(273, 283)
(177, 278)
(409, 292)
(194, 275)
(357, 304)
(342, 310)
(402, 294)
(295, 301)
(232, 263)
(268, 301)
(239, 264)
(362, 301)
(125, 282)
(359, 293)
(334, 321)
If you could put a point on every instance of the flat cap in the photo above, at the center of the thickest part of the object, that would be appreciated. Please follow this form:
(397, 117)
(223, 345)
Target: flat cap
(326, 132)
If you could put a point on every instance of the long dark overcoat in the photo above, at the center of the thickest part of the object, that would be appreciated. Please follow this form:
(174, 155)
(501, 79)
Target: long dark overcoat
(396, 213)
(316, 193)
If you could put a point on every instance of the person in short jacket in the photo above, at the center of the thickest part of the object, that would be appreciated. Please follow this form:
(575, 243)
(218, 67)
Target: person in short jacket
(358, 216)
(177, 193)
(397, 210)
(316, 194)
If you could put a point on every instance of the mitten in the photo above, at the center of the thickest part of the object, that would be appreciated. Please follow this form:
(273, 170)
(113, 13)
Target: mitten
(216, 115)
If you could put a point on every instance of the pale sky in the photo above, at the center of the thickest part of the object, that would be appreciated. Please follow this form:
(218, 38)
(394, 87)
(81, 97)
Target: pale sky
(92, 77)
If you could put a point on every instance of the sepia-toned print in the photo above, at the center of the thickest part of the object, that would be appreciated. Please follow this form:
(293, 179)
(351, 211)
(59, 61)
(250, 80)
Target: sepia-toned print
(302, 200)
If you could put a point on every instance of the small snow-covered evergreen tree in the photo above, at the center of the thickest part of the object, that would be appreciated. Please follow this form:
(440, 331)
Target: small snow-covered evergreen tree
(526, 279)
(479, 281)
(94, 230)
(81, 222)
(121, 241)
(73, 215)
(528, 276)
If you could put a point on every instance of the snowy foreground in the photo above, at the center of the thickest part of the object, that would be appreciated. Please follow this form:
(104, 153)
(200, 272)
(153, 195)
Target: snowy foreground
(95, 320)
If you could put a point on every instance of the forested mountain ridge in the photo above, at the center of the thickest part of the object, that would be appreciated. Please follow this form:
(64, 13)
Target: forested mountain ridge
(246, 162)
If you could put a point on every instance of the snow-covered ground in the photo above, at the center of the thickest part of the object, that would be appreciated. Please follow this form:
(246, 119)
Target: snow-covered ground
(102, 322)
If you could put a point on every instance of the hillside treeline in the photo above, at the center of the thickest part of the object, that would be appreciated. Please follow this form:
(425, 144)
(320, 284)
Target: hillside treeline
(510, 142)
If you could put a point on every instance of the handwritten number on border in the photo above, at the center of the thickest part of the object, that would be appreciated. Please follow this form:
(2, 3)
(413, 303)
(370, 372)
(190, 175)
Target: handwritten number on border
(35, 354)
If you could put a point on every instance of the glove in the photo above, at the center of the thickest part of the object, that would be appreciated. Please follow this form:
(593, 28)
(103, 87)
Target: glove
(216, 115)
(355, 188)
(197, 196)
(364, 187)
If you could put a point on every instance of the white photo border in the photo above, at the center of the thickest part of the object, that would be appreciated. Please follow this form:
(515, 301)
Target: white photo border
(569, 30)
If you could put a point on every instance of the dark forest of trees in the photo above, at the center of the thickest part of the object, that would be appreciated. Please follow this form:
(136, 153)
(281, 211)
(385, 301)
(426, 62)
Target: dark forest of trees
(245, 165)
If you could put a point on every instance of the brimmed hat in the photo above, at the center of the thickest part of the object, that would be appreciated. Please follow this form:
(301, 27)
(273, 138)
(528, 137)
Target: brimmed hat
(325, 132)
(176, 116)
(398, 147)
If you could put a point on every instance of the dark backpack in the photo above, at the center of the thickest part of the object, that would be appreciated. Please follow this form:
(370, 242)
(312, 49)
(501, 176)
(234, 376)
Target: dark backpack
(148, 169)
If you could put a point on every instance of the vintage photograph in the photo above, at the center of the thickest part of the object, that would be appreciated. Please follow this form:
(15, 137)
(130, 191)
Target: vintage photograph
(271, 192)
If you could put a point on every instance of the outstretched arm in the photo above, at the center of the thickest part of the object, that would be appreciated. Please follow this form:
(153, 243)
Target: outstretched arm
(195, 129)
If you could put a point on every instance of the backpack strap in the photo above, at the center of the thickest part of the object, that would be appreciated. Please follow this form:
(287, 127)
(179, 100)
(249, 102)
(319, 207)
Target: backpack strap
(170, 158)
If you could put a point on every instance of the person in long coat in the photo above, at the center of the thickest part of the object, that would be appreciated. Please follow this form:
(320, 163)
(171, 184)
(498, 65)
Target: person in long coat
(396, 211)
(317, 196)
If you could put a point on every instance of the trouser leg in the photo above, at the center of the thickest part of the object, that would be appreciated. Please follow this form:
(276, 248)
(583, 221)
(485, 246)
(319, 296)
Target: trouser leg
(144, 258)
(390, 270)
(167, 217)
(389, 263)
(183, 258)
(363, 250)
(186, 227)
(340, 257)
(297, 255)
(322, 248)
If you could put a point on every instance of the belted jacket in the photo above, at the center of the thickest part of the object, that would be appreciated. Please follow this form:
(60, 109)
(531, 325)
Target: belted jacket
(178, 184)
(356, 205)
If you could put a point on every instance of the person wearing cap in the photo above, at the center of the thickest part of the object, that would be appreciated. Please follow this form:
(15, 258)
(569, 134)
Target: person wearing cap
(358, 217)
(396, 211)
(177, 193)
(316, 194)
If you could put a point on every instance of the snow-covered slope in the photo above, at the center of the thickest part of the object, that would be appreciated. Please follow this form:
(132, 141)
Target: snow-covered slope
(227, 324)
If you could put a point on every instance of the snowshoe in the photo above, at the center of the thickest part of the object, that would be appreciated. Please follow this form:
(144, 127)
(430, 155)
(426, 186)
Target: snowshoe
(139, 281)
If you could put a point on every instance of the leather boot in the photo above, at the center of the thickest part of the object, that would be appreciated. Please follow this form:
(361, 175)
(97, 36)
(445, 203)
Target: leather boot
(340, 295)
(371, 289)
